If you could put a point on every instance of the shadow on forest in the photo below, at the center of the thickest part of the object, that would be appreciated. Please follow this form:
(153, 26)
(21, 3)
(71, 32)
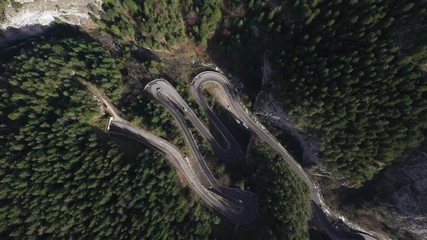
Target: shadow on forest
(243, 61)
(13, 36)
(12, 40)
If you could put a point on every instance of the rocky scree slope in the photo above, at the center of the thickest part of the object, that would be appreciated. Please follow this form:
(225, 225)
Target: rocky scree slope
(30, 17)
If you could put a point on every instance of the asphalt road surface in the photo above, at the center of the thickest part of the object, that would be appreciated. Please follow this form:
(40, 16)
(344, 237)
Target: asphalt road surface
(234, 106)
(237, 205)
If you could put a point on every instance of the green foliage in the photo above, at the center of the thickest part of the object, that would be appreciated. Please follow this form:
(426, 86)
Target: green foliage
(62, 179)
(202, 18)
(155, 24)
(160, 24)
(348, 72)
(283, 198)
(138, 105)
(347, 81)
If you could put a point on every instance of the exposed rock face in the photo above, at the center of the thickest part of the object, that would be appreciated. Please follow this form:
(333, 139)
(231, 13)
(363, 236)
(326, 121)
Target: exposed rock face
(43, 12)
(405, 184)
(31, 18)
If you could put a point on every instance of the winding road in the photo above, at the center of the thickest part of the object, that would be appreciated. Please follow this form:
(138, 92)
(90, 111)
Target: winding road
(235, 108)
(238, 206)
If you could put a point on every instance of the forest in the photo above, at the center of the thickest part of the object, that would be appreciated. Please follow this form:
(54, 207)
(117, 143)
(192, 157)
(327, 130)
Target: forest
(61, 173)
(283, 198)
(354, 79)
(62, 176)
(160, 24)
(351, 74)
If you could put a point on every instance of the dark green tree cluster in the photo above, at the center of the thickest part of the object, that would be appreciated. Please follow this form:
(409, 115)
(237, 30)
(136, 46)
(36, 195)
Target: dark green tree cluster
(157, 24)
(202, 18)
(349, 72)
(46, 72)
(62, 178)
(348, 76)
(65, 58)
(160, 24)
(284, 200)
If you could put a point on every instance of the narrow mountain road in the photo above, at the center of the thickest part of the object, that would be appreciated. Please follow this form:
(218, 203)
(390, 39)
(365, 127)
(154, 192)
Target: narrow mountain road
(238, 206)
(235, 107)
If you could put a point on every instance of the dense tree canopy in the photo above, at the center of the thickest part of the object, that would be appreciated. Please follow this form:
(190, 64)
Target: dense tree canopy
(348, 75)
(349, 72)
(282, 196)
(160, 24)
(62, 178)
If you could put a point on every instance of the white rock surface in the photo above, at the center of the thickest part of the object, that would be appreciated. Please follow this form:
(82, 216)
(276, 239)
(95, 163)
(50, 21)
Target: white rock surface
(44, 12)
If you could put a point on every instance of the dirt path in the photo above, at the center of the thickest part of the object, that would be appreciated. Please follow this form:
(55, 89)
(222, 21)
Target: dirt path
(106, 105)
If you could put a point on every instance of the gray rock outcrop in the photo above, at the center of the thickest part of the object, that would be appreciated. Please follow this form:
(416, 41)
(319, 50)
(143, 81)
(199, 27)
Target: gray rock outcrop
(43, 12)
(32, 17)
(404, 184)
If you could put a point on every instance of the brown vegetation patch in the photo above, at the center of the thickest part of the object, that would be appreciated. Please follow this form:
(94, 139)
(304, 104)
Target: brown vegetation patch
(369, 221)
(192, 18)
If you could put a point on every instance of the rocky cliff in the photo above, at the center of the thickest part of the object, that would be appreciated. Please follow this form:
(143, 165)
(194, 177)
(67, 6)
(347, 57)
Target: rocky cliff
(26, 18)
(404, 184)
